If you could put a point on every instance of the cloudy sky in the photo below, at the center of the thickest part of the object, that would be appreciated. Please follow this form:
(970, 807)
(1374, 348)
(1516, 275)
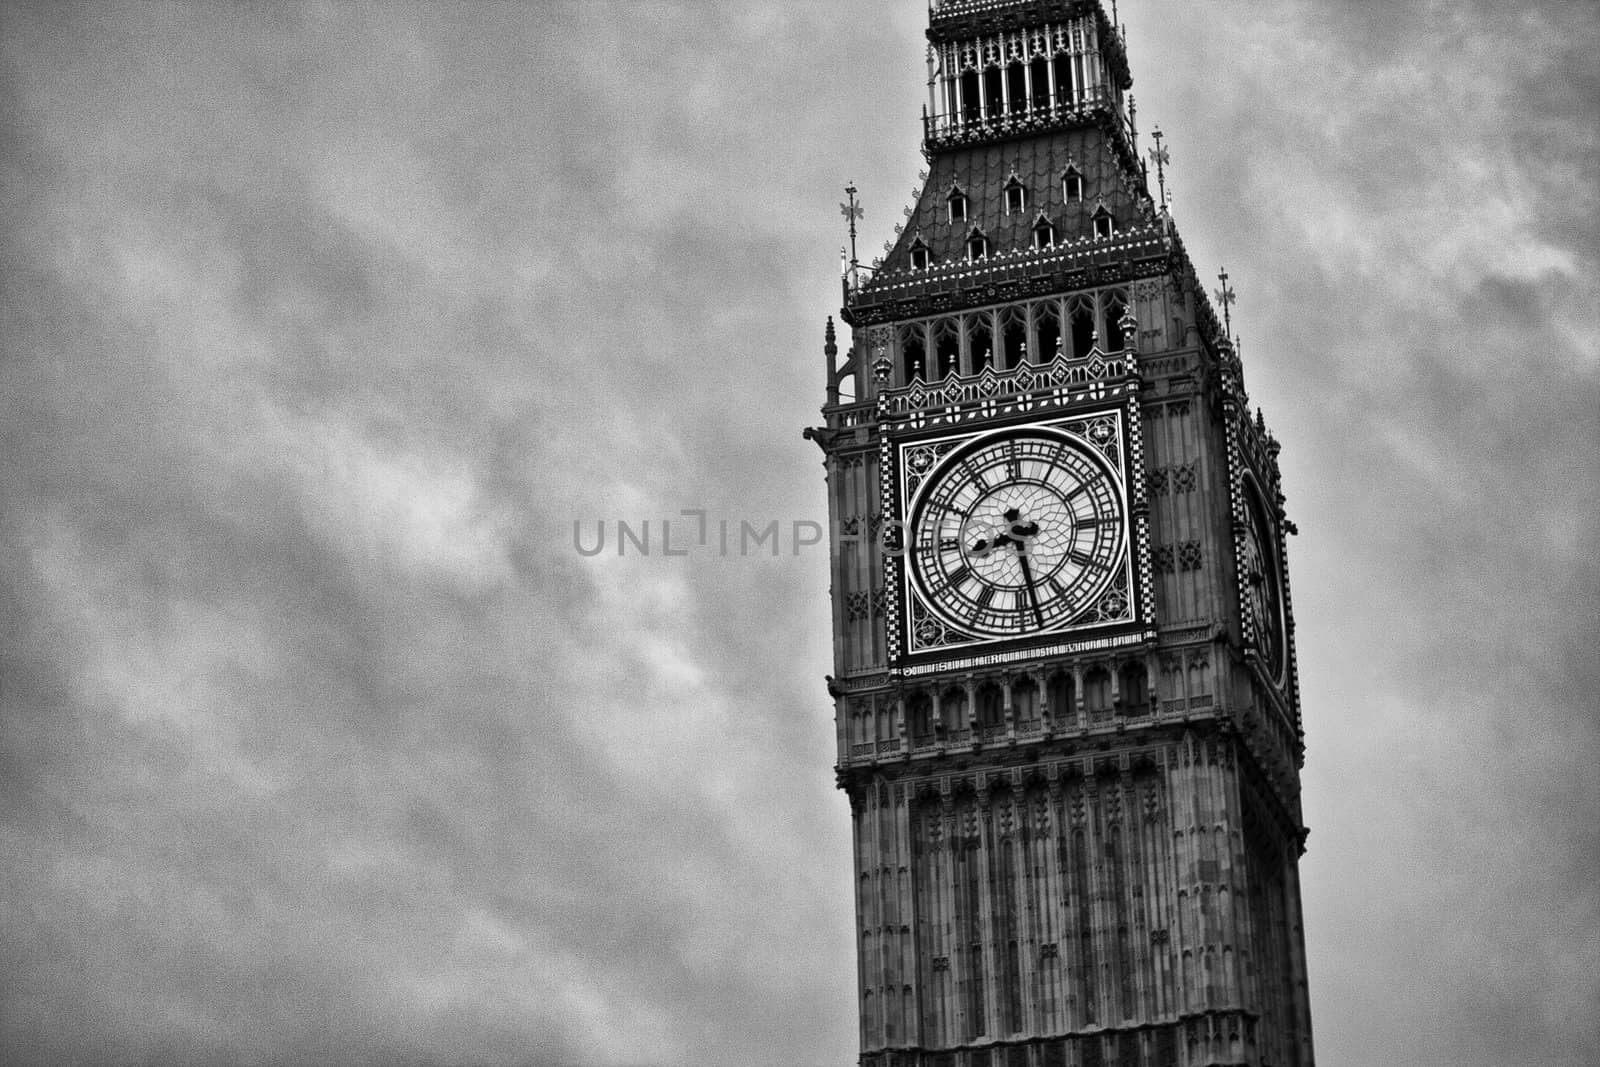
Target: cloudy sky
(323, 323)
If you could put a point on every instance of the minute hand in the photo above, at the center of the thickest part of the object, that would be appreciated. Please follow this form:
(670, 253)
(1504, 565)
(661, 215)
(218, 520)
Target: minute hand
(1027, 578)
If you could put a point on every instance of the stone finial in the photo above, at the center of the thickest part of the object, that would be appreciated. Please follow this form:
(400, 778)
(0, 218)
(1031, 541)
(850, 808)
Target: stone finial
(881, 364)
(1130, 332)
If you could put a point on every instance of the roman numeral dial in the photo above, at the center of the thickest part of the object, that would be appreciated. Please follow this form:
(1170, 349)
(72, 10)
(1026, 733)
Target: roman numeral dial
(1017, 532)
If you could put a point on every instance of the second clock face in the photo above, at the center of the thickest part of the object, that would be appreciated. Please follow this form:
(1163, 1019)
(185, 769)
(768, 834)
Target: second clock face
(1016, 533)
(1263, 588)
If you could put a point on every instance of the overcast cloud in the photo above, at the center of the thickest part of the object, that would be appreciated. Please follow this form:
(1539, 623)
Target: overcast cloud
(323, 323)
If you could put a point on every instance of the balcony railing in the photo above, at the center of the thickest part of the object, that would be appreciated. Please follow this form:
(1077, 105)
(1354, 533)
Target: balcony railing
(1016, 265)
(1030, 730)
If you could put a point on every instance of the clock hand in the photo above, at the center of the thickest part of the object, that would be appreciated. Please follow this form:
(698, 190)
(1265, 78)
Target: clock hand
(1020, 529)
(982, 547)
(1027, 580)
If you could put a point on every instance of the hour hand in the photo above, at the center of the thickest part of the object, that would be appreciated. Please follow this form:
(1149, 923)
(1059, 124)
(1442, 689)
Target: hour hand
(1020, 530)
(983, 546)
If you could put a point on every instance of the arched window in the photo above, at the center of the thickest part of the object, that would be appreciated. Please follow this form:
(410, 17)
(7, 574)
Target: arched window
(1016, 196)
(1044, 234)
(1014, 337)
(957, 202)
(1060, 697)
(977, 244)
(1199, 693)
(992, 93)
(980, 341)
(1116, 307)
(991, 710)
(861, 724)
(1017, 88)
(953, 708)
(1041, 84)
(1063, 79)
(1047, 329)
(920, 259)
(919, 716)
(1081, 313)
(1025, 700)
(947, 347)
(969, 97)
(1097, 693)
(1072, 184)
(913, 353)
(1134, 688)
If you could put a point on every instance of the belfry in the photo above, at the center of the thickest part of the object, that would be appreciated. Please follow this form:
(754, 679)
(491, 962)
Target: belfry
(1064, 664)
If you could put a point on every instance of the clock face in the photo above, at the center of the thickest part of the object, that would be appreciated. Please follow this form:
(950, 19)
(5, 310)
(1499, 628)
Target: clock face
(1016, 533)
(1262, 588)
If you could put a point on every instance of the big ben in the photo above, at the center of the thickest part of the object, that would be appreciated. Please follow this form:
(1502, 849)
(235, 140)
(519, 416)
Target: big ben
(1064, 666)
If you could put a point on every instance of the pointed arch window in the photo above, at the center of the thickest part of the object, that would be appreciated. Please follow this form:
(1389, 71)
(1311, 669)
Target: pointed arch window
(1044, 233)
(970, 111)
(1080, 316)
(1014, 337)
(977, 245)
(1041, 84)
(1016, 196)
(1072, 184)
(1016, 88)
(980, 341)
(1104, 224)
(920, 258)
(993, 94)
(913, 353)
(1047, 325)
(957, 203)
(947, 347)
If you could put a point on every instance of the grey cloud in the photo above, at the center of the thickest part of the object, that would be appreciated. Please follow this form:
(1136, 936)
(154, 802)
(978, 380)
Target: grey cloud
(319, 742)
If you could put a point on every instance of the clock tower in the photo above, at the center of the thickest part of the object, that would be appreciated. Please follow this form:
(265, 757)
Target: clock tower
(1064, 665)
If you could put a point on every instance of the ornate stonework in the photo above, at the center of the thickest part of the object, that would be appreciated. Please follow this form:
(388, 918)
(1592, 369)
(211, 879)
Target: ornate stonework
(1064, 681)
